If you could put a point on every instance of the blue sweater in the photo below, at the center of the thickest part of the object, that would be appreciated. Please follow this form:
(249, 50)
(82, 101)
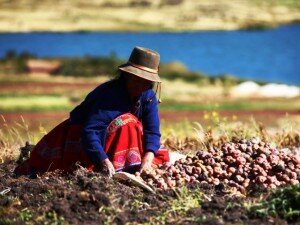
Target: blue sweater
(107, 102)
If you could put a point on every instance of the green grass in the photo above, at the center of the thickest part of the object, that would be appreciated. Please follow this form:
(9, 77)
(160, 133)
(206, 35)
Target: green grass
(33, 103)
(16, 102)
(284, 202)
(184, 128)
(274, 104)
(178, 207)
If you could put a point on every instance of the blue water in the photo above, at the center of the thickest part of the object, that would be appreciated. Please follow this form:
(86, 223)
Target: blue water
(268, 55)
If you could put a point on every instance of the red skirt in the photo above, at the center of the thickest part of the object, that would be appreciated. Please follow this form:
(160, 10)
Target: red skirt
(61, 148)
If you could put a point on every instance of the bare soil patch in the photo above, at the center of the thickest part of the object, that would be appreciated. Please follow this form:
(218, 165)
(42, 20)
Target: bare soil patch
(91, 198)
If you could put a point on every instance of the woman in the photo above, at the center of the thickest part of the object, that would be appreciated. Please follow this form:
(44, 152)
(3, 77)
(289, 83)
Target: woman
(116, 127)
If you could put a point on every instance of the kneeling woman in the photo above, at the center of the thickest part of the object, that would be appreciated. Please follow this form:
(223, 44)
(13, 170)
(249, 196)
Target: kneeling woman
(116, 127)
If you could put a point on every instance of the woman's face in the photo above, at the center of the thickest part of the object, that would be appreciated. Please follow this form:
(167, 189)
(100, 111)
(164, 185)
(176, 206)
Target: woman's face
(136, 85)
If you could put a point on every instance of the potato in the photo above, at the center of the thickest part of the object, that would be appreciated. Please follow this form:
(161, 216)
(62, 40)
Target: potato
(231, 169)
(196, 170)
(294, 182)
(240, 160)
(239, 179)
(216, 181)
(239, 165)
(260, 179)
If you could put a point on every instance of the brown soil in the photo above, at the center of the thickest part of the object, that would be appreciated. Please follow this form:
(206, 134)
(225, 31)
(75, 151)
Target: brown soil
(50, 119)
(91, 198)
(266, 116)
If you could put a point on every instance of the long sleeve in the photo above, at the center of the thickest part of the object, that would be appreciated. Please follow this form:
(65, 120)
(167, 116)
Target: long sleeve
(94, 134)
(109, 103)
(151, 124)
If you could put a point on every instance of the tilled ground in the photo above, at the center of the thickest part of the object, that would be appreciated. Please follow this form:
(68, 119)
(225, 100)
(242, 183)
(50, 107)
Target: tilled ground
(270, 117)
(91, 198)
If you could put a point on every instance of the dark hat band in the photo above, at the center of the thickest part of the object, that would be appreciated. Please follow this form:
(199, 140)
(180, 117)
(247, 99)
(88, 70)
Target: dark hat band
(143, 68)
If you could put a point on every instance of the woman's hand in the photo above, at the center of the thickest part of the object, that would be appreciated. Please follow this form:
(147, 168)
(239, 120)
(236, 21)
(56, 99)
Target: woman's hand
(109, 167)
(147, 161)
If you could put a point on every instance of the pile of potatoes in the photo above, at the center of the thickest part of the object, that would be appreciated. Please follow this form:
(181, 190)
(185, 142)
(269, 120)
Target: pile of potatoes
(240, 165)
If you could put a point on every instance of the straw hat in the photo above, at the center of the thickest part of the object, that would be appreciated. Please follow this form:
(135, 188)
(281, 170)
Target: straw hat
(143, 63)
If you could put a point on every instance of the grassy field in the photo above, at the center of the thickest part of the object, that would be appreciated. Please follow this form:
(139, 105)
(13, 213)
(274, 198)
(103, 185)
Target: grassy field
(34, 103)
(31, 94)
(43, 102)
(129, 15)
(263, 104)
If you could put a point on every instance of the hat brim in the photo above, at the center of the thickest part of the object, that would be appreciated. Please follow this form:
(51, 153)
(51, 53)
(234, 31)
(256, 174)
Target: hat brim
(140, 73)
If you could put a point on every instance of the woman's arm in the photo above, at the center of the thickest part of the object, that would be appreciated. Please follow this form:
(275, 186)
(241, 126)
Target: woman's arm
(151, 124)
(151, 127)
(93, 135)
(93, 138)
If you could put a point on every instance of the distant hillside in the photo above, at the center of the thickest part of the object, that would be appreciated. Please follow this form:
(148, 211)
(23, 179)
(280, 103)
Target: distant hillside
(144, 15)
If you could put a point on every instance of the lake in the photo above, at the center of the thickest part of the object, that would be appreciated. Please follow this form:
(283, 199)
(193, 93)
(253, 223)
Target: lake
(267, 55)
